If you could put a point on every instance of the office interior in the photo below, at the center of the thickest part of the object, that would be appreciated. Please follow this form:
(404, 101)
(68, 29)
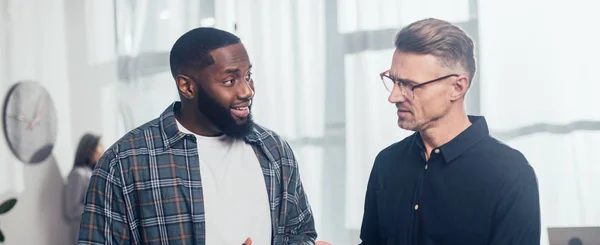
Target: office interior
(316, 64)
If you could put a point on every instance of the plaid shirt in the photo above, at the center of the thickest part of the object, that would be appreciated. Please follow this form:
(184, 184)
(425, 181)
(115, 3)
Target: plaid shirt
(146, 189)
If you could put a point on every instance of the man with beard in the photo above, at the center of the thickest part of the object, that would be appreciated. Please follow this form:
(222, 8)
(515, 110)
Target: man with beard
(202, 172)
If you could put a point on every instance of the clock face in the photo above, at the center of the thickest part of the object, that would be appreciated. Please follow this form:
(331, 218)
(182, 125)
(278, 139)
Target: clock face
(29, 122)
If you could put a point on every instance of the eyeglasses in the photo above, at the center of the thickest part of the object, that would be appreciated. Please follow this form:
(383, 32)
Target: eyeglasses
(406, 89)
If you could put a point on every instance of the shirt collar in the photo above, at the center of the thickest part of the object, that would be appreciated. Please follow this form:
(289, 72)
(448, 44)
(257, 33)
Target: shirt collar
(171, 134)
(462, 142)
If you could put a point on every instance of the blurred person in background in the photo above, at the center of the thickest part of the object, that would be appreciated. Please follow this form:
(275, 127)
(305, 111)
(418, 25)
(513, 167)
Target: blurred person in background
(88, 153)
(202, 172)
(450, 182)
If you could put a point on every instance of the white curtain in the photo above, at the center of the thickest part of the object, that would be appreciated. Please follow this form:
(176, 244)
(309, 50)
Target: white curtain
(539, 63)
(146, 31)
(361, 15)
(287, 50)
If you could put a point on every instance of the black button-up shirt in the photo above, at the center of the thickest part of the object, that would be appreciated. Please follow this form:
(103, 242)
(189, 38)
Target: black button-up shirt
(473, 190)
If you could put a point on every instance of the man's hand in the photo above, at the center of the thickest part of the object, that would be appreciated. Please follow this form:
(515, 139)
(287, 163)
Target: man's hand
(248, 241)
(322, 243)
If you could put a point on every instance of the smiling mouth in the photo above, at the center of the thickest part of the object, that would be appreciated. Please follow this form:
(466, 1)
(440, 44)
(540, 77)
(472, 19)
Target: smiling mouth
(240, 109)
(241, 112)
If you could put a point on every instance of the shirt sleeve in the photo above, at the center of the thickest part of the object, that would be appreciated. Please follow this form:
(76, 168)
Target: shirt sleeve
(300, 219)
(104, 216)
(517, 216)
(369, 231)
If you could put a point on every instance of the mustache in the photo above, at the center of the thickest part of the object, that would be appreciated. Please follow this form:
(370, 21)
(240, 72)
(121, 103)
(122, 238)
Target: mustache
(245, 103)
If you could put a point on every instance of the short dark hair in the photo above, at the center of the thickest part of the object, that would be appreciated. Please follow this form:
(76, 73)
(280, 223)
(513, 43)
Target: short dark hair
(192, 50)
(441, 39)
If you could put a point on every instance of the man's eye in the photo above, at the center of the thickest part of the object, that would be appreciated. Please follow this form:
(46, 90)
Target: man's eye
(229, 82)
(249, 76)
(403, 83)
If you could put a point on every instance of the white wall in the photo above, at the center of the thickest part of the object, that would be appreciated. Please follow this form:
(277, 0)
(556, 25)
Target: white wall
(44, 40)
(91, 62)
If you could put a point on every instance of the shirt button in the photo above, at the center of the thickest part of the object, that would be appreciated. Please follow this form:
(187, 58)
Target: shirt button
(417, 207)
(437, 151)
(425, 166)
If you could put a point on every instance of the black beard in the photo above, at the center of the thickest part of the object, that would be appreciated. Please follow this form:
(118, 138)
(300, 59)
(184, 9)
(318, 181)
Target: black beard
(221, 117)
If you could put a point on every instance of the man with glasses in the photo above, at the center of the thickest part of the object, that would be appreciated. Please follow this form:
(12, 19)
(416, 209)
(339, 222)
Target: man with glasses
(450, 182)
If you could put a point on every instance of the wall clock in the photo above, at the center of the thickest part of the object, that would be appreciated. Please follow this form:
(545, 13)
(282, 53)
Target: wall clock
(30, 122)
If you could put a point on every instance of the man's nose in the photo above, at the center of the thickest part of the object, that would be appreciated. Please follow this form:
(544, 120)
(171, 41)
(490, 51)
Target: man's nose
(396, 96)
(245, 91)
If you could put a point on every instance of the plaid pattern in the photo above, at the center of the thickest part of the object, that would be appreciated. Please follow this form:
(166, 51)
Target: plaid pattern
(146, 189)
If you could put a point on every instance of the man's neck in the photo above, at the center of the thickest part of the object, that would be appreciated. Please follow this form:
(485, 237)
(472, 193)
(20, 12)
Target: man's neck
(190, 118)
(444, 130)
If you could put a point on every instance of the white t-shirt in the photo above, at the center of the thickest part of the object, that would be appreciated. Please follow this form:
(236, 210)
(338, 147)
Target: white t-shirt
(236, 204)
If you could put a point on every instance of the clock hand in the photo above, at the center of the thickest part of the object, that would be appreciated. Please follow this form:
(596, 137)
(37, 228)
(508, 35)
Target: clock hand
(37, 108)
(18, 117)
(38, 116)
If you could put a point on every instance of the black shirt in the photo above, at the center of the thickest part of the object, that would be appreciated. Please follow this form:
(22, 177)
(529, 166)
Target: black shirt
(473, 190)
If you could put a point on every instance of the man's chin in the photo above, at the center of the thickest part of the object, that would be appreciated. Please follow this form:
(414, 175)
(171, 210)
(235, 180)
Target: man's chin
(407, 125)
(241, 121)
(241, 128)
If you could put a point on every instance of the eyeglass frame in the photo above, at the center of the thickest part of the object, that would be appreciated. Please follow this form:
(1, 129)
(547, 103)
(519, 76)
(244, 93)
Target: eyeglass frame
(412, 88)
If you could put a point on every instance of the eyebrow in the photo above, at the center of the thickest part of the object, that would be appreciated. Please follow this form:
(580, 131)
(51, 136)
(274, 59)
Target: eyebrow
(235, 70)
(404, 80)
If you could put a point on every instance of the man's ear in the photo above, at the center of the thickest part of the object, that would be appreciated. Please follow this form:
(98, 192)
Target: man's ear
(186, 86)
(460, 86)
